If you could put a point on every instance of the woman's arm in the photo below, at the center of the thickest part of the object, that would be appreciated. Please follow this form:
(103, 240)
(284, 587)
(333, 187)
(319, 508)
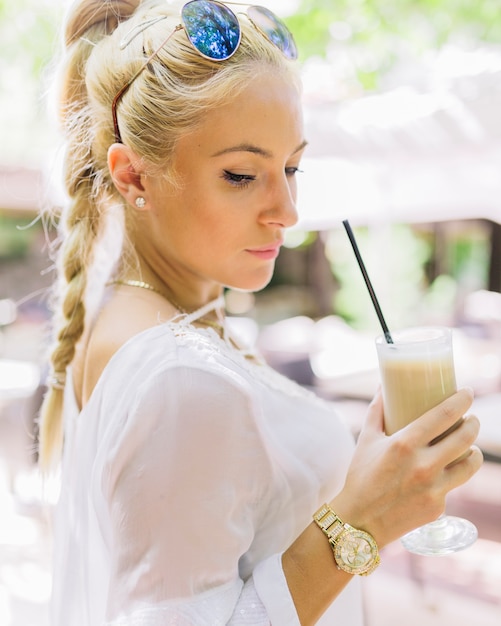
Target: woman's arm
(394, 484)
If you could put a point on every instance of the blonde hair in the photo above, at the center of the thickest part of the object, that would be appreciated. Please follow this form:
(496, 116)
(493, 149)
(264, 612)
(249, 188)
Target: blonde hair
(166, 100)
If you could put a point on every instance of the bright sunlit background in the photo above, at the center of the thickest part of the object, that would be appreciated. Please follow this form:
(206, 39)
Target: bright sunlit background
(402, 102)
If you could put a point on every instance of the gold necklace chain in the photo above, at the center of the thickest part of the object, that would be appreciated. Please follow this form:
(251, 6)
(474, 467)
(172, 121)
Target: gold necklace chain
(143, 285)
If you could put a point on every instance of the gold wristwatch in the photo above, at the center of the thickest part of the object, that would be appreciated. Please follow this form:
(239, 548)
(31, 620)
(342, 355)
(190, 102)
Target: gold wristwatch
(355, 551)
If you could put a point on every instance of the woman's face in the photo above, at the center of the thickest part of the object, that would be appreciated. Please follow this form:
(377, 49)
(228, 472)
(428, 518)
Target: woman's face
(225, 224)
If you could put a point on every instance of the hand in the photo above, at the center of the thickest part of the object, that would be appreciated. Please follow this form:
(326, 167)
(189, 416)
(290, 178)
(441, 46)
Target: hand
(399, 482)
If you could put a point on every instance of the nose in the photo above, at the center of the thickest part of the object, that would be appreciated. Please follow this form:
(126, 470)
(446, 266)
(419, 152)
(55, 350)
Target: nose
(282, 209)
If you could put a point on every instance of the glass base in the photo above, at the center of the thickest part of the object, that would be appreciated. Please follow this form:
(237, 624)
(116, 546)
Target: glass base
(445, 536)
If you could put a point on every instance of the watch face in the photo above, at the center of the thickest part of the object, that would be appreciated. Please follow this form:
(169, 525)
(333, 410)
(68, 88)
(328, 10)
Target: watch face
(356, 552)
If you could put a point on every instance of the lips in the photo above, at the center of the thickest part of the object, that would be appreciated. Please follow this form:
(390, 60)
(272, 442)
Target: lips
(266, 252)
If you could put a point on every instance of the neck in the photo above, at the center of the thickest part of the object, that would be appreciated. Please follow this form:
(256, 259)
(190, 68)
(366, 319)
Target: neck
(185, 293)
(210, 314)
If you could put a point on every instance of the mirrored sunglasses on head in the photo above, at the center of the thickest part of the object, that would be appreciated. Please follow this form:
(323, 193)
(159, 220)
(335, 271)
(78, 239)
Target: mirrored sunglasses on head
(214, 31)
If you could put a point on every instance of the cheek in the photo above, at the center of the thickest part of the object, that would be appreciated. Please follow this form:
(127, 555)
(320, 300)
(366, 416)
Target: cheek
(219, 226)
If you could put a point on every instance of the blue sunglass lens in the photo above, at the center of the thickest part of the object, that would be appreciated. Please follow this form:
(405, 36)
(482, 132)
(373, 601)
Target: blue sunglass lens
(274, 29)
(212, 28)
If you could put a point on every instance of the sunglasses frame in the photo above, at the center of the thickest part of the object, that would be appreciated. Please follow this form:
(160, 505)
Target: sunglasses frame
(132, 34)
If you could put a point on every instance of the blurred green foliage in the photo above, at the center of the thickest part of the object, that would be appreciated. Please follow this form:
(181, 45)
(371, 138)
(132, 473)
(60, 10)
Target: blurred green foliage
(378, 33)
(28, 32)
(16, 235)
(397, 258)
(29, 28)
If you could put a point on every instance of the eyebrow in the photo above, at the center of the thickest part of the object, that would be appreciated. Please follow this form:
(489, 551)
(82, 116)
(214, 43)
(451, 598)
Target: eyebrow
(248, 147)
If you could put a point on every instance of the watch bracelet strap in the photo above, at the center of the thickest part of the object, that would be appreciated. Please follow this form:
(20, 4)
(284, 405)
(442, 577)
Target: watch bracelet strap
(330, 523)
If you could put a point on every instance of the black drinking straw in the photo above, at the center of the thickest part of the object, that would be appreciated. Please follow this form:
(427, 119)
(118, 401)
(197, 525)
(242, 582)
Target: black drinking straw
(386, 331)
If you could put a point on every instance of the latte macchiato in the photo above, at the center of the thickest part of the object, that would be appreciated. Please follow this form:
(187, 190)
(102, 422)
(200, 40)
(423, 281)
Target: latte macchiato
(417, 373)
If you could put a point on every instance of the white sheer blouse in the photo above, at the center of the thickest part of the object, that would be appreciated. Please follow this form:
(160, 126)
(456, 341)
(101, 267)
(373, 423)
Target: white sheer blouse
(187, 474)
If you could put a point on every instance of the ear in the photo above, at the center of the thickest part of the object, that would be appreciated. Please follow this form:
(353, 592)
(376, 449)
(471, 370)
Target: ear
(126, 171)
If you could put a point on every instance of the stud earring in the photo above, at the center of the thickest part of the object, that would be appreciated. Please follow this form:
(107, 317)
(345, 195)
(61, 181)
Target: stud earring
(140, 202)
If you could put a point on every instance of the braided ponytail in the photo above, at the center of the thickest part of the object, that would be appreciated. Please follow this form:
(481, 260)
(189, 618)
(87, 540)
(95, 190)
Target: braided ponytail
(89, 190)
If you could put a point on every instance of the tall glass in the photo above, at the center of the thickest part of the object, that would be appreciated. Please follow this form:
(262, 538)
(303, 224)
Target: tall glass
(417, 373)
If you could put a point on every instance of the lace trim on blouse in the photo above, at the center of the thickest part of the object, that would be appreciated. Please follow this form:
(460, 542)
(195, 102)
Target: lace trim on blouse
(209, 343)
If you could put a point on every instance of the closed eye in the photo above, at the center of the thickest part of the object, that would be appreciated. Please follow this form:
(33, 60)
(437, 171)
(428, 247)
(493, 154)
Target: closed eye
(238, 180)
(292, 171)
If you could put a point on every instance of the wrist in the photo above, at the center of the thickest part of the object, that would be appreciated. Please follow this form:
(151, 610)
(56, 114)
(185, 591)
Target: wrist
(355, 550)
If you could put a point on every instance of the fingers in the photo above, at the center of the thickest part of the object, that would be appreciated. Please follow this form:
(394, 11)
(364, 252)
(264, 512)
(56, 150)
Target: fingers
(460, 471)
(456, 446)
(402, 480)
(457, 454)
(374, 420)
(435, 422)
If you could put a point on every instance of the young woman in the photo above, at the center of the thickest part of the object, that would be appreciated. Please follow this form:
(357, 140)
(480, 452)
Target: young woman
(190, 470)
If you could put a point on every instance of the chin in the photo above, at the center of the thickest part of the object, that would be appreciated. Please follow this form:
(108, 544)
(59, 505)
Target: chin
(252, 285)
(251, 280)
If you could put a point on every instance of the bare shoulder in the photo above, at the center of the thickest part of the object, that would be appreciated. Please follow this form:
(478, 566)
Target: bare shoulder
(124, 316)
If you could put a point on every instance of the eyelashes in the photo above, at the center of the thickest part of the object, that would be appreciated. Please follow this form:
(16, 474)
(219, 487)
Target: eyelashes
(238, 180)
(244, 180)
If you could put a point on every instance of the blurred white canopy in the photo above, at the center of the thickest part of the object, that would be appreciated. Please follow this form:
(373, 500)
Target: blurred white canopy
(427, 148)
(426, 151)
